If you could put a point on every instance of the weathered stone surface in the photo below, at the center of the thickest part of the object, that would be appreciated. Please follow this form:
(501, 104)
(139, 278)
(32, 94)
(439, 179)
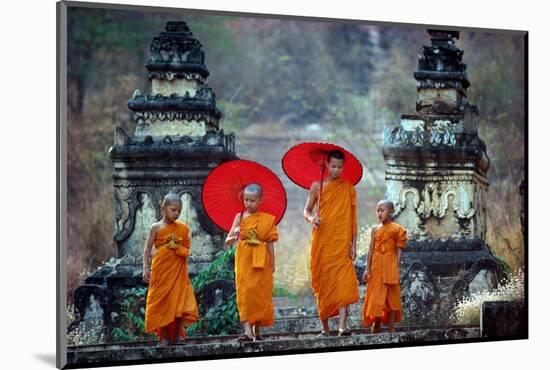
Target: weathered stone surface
(176, 86)
(174, 127)
(219, 347)
(436, 175)
(176, 144)
(521, 189)
(503, 319)
(447, 257)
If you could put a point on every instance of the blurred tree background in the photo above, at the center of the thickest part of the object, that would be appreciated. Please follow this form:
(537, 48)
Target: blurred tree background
(346, 79)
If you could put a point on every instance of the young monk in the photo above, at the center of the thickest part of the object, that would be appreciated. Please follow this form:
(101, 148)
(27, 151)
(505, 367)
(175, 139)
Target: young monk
(333, 245)
(254, 263)
(170, 301)
(383, 298)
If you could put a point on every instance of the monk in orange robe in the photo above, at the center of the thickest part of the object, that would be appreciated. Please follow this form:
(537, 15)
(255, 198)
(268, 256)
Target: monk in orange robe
(333, 245)
(255, 233)
(171, 303)
(383, 298)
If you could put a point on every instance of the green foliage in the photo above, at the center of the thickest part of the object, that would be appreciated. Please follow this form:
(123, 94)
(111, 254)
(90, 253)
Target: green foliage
(219, 269)
(132, 324)
(224, 318)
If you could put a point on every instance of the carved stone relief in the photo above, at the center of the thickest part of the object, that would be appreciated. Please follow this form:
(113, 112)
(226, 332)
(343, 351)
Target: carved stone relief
(418, 292)
(145, 216)
(175, 128)
(201, 242)
(176, 86)
(440, 210)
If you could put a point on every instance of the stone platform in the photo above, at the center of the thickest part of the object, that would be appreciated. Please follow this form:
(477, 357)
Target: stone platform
(202, 348)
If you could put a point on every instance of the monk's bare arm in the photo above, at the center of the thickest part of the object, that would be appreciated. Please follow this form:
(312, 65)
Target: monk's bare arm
(353, 247)
(147, 252)
(233, 234)
(399, 258)
(369, 254)
(272, 253)
(310, 204)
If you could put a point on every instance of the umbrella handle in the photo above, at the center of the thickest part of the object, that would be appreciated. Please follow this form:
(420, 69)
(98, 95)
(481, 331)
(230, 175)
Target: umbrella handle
(320, 191)
(237, 234)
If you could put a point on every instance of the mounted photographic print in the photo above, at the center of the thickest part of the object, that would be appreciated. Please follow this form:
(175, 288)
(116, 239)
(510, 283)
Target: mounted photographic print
(238, 185)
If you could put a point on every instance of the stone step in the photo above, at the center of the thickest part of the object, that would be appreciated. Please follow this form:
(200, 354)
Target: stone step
(279, 343)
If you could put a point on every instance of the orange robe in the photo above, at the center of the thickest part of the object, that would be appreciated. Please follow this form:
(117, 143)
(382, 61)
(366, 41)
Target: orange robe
(170, 294)
(332, 272)
(383, 289)
(253, 269)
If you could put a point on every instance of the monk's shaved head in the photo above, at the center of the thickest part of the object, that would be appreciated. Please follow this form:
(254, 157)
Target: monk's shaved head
(387, 203)
(253, 188)
(171, 198)
(336, 154)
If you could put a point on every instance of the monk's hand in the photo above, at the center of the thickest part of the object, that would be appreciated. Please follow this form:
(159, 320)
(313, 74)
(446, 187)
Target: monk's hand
(353, 253)
(366, 275)
(231, 240)
(273, 268)
(146, 275)
(315, 221)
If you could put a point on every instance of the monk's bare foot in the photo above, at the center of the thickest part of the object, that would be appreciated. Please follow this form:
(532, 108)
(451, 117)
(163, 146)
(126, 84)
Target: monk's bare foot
(344, 332)
(244, 338)
(163, 343)
(181, 340)
(391, 330)
(375, 328)
(323, 334)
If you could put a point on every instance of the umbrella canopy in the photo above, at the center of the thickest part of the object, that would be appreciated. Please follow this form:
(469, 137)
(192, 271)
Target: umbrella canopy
(303, 163)
(222, 191)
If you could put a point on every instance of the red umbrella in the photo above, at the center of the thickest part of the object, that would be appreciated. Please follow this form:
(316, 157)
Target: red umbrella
(304, 163)
(222, 191)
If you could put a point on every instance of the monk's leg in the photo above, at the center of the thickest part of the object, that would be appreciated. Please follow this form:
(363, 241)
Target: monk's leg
(248, 329)
(256, 330)
(342, 314)
(326, 328)
(343, 321)
(179, 328)
(376, 326)
(391, 321)
(164, 340)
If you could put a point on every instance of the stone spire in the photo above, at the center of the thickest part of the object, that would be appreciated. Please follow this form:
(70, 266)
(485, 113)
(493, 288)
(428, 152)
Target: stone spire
(441, 76)
(180, 103)
(176, 144)
(177, 141)
(436, 174)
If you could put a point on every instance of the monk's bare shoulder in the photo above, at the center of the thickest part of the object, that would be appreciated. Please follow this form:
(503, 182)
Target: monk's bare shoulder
(315, 186)
(155, 228)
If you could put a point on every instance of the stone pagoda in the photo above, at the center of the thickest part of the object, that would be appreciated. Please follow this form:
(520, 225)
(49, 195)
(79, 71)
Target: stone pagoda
(176, 143)
(436, 174)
